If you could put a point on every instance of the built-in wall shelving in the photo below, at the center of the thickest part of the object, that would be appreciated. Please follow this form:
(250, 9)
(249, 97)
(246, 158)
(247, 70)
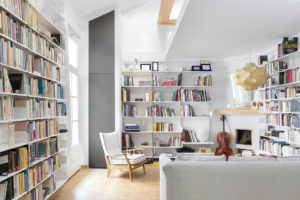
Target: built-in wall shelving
(280, 103)
(60, 148)
(202, 109)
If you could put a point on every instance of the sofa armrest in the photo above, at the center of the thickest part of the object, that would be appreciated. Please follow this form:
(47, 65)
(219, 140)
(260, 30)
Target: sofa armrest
(167, 178)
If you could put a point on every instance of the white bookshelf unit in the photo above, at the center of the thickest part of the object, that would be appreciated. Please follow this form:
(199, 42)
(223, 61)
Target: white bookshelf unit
(280, 98)
(153, 102)
(33, 110)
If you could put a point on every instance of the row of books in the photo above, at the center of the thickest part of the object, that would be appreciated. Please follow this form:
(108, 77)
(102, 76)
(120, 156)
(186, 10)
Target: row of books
(7, 137)
(187, 111)
(174, 141)
(275, 66)
(273, 93)
(40, 129)
(284, 120)
(189, 136)
(44, 88)
(125, 94)
(278, 148)
(42, 149)
(21, 183)
(290, 135)
(127, 141)
(154, 95)
(127, 80)
(29, 108)
(46, 69)
(24, 35)
(40, 171)
(20, 132)
(15, 6)
(187, 95)
(289, 76)
(14, 56)
(129, 110)
(159, 111)
(282, 106)
(204, 81)
(13, 160)
(162, 127)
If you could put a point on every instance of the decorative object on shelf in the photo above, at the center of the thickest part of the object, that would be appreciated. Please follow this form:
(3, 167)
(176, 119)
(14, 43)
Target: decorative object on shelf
(202, 134)
(224, 139)
(254, 105)
(145, 67)
(155, 66)
(196, 68)
(263, 59)
(205, 65)
(250, 77)
(289, 45)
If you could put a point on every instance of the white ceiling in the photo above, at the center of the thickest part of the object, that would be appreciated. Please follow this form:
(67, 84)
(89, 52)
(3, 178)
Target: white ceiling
(94, 8)
(226, 28)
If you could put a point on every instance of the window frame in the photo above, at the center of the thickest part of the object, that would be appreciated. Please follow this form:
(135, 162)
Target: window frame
(73, 71)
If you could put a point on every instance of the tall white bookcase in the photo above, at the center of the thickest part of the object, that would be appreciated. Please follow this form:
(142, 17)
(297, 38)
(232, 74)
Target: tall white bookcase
(276, 97)
(202, 109)
(56, 178)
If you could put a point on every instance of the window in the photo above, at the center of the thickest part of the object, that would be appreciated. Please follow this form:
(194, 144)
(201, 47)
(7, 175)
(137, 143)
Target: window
(73, 64)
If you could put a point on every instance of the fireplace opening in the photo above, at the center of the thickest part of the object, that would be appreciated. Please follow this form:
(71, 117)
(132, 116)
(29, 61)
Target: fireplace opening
(243, 136)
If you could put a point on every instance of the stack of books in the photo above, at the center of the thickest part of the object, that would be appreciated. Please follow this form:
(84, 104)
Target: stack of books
(132, 128)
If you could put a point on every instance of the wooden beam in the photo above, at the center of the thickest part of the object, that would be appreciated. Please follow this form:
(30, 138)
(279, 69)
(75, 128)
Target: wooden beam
(165, 11)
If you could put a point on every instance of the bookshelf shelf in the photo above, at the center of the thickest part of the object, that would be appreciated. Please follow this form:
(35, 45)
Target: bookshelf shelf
(199, 143)
(137, 83)
(39, 62)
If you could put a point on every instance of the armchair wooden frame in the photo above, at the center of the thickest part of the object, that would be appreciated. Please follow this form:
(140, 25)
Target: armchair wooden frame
(129, 167)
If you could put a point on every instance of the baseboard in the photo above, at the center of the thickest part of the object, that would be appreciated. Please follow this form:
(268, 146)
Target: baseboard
(84, 167)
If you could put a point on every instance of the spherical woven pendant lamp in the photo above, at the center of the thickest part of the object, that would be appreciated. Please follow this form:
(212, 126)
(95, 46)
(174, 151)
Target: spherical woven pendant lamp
(250, 77)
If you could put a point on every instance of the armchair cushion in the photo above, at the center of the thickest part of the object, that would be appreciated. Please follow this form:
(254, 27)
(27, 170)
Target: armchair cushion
(133, 159)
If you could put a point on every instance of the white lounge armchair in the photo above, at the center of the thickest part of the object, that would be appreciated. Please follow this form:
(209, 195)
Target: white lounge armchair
(116, 159)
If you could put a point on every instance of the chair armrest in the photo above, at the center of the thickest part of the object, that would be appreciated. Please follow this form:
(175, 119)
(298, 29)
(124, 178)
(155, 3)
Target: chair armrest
(117, 154)
(137, 149)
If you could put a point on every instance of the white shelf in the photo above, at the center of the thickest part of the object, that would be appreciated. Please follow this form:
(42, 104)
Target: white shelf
(278, 139)
(198, 153)
(164, 72)
(281, 99)
(279, 86)
(285, 127)
(45, 138)
(173, 86)
(28, 119)
(199, 143)
(168, 147)
(275, 112)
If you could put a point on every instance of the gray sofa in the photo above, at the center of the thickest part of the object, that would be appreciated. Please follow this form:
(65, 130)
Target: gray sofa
(190, 179)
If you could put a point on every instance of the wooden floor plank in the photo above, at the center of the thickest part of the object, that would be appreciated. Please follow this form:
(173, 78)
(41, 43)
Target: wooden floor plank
(92, 184)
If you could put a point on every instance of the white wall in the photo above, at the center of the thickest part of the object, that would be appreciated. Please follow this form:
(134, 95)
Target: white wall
(142, 37)
(223, 97)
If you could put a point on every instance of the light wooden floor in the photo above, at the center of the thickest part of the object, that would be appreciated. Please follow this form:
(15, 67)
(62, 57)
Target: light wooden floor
(92, 184)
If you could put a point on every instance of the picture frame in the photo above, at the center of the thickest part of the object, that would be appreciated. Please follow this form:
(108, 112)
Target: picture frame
(196, 68)
(145, 67)
(205, 67)
(155, 66)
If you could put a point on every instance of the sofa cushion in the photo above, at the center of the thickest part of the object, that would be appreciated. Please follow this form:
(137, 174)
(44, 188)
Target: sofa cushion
(253, 158)
(189, 157)
(133, 159)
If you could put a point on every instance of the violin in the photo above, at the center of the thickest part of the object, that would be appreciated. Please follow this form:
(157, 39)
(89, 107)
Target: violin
(224, 140)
